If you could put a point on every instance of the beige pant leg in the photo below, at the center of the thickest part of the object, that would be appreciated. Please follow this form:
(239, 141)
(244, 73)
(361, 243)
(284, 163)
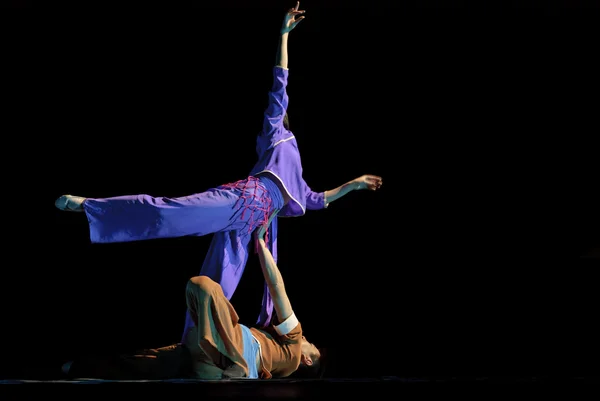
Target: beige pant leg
(216, 343)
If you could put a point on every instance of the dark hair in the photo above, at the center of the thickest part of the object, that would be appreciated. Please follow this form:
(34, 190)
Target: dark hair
(314, 371)
(286, 121)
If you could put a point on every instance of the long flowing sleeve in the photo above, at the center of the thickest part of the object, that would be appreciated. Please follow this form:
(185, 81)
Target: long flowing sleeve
(278, 102)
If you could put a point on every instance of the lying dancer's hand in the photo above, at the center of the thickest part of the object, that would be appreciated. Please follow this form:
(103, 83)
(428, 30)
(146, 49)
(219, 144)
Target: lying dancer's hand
(290, 21)
(260, 232)
(368, 181)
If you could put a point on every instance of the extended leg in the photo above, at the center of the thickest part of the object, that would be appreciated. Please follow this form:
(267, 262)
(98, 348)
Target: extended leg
(168, 362)
(144, 217)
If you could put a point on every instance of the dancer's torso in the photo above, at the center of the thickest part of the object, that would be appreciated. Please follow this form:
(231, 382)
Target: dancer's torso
(284, 194)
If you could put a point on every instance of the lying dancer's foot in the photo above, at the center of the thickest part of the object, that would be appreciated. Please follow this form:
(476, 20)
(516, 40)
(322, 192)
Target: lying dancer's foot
(70, 203)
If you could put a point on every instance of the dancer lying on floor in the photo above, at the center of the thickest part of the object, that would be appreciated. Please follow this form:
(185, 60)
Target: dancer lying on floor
(217, 346)
(232, 211)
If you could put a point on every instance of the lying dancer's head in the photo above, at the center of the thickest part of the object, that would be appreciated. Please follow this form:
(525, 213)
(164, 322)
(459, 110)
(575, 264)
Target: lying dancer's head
(312, 361)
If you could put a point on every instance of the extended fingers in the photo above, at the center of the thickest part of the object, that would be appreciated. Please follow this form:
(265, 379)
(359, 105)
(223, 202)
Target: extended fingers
(295, 10)
(297, 21)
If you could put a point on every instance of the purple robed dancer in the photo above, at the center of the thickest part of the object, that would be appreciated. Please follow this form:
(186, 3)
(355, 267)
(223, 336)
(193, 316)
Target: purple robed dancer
(231, 211)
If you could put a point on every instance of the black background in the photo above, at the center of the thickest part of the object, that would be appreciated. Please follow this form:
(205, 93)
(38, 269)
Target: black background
(480, 119)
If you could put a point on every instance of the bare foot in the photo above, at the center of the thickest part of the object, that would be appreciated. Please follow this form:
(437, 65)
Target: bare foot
(70, 203)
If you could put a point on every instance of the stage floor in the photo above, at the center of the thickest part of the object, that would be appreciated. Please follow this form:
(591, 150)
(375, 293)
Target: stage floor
(296, 388)
(393, 388)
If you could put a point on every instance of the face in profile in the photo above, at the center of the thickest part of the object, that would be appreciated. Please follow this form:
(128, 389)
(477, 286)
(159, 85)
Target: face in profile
(310, 353)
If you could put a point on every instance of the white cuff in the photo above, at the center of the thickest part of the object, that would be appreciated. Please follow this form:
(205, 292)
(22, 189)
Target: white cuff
(288, 325)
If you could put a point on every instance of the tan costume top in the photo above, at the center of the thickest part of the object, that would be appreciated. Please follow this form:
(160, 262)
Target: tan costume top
(280, 348)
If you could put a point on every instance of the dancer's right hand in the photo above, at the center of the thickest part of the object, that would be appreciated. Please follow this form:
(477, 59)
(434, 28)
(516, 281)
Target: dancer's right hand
(290, 21)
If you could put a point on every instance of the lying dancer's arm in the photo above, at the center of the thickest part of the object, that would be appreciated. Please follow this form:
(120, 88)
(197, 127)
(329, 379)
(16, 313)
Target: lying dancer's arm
(272, 276)
(367, 181)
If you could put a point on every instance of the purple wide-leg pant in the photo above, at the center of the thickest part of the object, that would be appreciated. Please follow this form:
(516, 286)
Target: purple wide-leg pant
(231, 212)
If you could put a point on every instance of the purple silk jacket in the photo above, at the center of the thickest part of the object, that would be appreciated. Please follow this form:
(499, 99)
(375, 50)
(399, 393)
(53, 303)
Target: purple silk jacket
(278, 152)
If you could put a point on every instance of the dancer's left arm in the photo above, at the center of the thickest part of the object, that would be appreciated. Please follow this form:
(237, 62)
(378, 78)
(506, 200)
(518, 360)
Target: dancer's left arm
(320, 200)
(368, 181)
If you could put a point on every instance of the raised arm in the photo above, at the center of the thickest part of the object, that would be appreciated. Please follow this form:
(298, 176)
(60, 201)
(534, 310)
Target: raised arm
(281, 59)
(367, 181)
(292, 18)
(272, 276)
(278, 98)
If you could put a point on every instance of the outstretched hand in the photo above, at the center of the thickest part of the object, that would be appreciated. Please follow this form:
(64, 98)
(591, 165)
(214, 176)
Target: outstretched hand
(368, 181)
(292, 18)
